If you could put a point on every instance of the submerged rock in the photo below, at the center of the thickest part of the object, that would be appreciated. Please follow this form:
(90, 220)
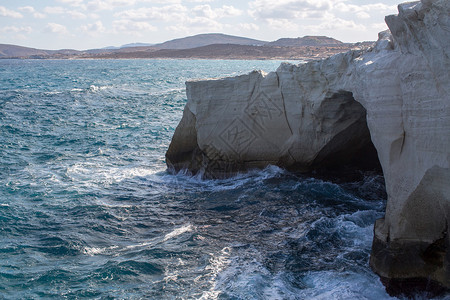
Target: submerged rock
(330, 113)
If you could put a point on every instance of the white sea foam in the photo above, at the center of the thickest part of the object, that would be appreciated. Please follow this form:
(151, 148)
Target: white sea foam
(178, 231)
(92, 251)
(330, 285)
(217, 263)
(95, 88)
(103, 174)
(197, 183)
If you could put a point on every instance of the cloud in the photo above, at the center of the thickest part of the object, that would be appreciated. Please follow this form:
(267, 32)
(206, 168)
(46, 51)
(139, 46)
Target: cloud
(4, 12)
(288, 9)
(229, 11)
(18, 30)
(56, 28)
(248, 26)
(202, 23)
(98, 5)
(375, 7)
(39, 15)
(333, 23)
(204, 11)
(31, 10)
(200, 17)
(76, 15)
(379, 26)
(109, 4)
(362, 15)
(165, 13)
(27, 9)
(94, 29)
(132, 27)
(94, 16)
(57, 10)
(71, 2)
(283, 24)
(223, 12)
(177, 28)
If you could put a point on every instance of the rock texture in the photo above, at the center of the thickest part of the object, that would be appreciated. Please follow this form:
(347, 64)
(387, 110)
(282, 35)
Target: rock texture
(328, 112)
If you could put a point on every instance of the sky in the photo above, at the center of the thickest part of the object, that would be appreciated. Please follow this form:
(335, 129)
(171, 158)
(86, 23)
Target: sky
(90, 24)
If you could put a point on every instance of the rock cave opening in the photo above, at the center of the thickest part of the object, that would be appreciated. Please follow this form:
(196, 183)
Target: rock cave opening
(350, 153)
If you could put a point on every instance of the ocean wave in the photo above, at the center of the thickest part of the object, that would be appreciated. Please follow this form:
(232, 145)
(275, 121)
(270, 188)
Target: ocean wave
(178, 231)
(96, 88)
(184, 179)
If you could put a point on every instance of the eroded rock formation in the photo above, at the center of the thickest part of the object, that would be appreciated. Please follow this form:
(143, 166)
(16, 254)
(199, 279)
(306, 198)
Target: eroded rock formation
(396, 96)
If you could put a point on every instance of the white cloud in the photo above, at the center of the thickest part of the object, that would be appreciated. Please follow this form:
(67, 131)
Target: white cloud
(94, 29)
(56, 28)
(228, 11)
(379, 26)
(362, 15)
(27, 9)
(31, 10)
(94, 16)
(287, 9)
(200, 17)
(4, 12)
(206, 24)
(132, 27)
(76, 14)
(54, 10)
(71, 2)
(167, 1)
(207, 12)
(248, 26)
(18, 30)
(204, 11)
(378, 7)
(98, 5)
(283, 24)
(108, 4)
(333, 23)
(58, 10)
(177, 28)
(39, 15)
(165, 13)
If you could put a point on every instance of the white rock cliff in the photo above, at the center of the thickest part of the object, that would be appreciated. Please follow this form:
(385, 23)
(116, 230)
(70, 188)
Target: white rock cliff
(324, 113)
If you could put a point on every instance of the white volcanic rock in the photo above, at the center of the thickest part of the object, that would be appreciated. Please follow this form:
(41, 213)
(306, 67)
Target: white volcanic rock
(296, 117)
(405, 87)
(326, 112)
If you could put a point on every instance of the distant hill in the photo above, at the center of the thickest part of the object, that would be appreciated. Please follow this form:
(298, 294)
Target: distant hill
(133, 45)
(205, 46)
(19, 51)
(201, 40)
(306, 41)
(233, 51)
(25, 52)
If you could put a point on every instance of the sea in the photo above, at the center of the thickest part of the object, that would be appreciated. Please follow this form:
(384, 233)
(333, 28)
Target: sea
(88, 209)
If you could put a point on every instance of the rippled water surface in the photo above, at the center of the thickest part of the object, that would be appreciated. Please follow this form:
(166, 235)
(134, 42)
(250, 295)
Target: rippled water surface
(87, 209)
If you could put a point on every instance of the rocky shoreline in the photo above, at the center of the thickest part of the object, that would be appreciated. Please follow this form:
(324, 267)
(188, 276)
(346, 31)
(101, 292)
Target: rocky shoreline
(391, 100)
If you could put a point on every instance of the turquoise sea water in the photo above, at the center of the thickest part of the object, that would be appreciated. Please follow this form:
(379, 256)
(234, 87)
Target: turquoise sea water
(88, 210)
